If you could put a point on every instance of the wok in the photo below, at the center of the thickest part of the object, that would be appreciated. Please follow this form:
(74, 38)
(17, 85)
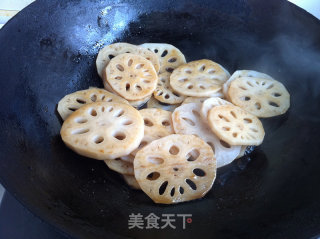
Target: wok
(48, 50)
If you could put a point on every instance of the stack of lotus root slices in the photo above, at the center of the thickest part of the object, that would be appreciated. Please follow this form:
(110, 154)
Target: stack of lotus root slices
(197, 118)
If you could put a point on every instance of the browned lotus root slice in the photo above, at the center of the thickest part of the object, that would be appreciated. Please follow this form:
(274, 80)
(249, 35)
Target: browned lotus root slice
(261, 97)
(153, 103)
(242, 73)
(131, 76)
(175, 168)
(120, 166)
(110, 51)
(131, 181)
(208, 104)
(169, 56)
(235, 125)
(157, 124)
(165, 93)
(200, 78)
(103, 130)
(74, 101)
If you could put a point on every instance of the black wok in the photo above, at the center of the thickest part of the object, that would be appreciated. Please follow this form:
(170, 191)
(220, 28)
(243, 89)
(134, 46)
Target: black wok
(48, 50)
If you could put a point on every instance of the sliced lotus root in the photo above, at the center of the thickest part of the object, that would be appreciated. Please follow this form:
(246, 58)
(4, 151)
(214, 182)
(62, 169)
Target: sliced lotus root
(260, 97)
(157, 124)
(131, 181)
(153, 103)
(208, 104)
(175, 168)
(74, 101)
(131, 76)
(164, 93)
(242, 73)
(120, 166)
(194, 100)
(186, 120)
(169, 56)
(235, 125)
(110, 51)
(200, 78)
(103, 130)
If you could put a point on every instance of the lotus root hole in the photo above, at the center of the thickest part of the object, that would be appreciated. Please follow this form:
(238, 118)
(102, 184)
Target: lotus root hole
(242, 88)
(98, 139)
(245, 98)
(174, 150)
(211, 71)
(270, 86)
(254, 130)
(190, 87)
(172, 192)
(249, 83)
(183, 79)
(163, 187)
(94, 98)
(130, 62)
(223, 118)
(195, 113)
(165, 123)
(276, 94)
(202, 68)
(247, 120)
(235, 135)
(201, 87)
(146, 81)
(110, 56)
(110, 108)
(164, 53)
(155, 50)
(189, 121)
(138, 87)
(148, 123)
(119, 113)
(193, 155)
(274, 104)
(226, 128)
(199, 172)
(72, 108)
(119, 135)
(169, 69)
(118, 77)
(81, 120)
(80, 101)
(233, 114)
(93, 112)
(120, 67)
(181, 190)
(109, 100)
(175, 169)
(80, 131)
(191, 184)
(188, 71)
(127, 87)
(139, 66)
(225, 144)
(257, 105)
(153, 176)
(127, 122)
(173, 59)
(162, 80)
(176, 94)
(155, 160)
